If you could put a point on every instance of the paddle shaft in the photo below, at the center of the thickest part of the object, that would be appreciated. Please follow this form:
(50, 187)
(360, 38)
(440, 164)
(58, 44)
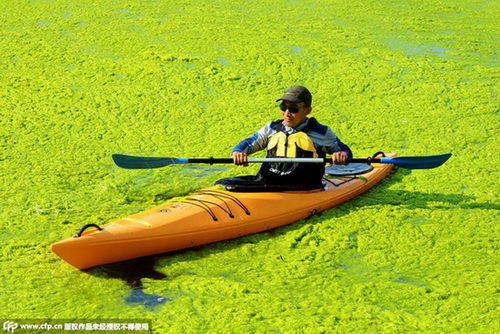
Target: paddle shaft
(212, 161)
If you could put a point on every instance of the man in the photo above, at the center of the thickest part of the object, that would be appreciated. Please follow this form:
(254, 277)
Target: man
(295, 135)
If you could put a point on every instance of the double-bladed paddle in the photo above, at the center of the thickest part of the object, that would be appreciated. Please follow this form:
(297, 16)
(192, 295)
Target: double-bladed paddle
(413, 162)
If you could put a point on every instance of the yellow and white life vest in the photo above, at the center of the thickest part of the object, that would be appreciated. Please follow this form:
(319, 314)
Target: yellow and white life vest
(283, 145)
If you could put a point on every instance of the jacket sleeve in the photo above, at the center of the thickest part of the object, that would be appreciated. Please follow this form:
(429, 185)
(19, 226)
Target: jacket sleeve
(255, 143)
(333, 144)
(344, 148)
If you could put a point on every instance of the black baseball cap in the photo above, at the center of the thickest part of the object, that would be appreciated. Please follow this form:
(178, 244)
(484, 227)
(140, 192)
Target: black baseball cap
(297, 94)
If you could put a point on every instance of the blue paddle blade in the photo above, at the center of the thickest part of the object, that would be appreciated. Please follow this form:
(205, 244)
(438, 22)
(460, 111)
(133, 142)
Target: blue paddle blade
(137, 162)
(423, 162)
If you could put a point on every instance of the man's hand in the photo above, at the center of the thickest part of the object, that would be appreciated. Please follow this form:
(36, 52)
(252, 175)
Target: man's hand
(339, 158)
(240, 158)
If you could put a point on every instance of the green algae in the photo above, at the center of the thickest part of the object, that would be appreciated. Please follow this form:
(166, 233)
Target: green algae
(82, 80)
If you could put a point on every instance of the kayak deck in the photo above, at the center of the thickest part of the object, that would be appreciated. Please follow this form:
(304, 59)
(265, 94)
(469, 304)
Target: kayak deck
(208, 215)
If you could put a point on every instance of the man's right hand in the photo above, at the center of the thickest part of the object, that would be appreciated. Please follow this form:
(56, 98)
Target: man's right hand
(240, 158)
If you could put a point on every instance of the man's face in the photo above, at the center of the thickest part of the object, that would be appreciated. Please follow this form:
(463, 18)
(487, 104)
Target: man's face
(294, 119)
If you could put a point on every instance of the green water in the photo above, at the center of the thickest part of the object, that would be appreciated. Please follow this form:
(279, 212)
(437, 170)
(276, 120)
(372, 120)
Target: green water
(82, 80)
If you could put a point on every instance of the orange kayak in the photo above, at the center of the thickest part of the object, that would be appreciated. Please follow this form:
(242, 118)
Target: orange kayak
(207, 216)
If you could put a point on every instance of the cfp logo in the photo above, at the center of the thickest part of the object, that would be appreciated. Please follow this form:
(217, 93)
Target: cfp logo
(10, 326)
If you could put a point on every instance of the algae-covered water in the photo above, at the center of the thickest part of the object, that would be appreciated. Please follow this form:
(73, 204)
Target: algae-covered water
(84, 79)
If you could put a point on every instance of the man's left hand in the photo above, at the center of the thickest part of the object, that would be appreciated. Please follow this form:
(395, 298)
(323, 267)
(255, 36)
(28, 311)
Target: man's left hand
(339, 158)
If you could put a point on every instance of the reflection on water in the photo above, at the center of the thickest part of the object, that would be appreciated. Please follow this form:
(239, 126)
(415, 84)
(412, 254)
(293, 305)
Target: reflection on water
(139, 297)
(199, 171)
(132, 272)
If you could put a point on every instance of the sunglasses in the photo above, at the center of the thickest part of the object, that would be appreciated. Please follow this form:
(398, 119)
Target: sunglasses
(291, 109)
